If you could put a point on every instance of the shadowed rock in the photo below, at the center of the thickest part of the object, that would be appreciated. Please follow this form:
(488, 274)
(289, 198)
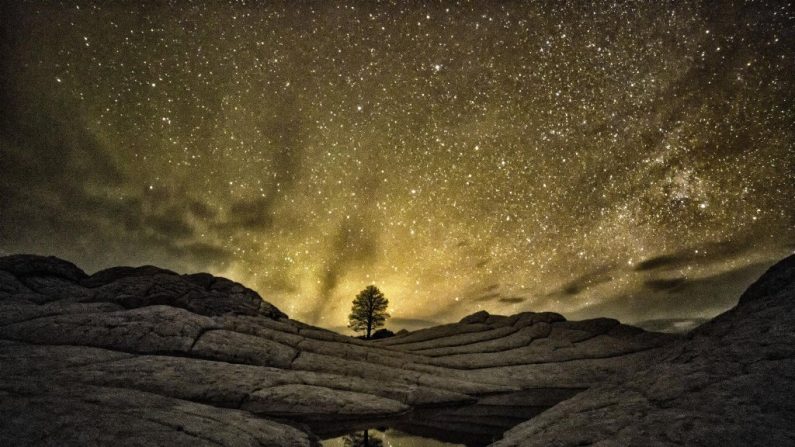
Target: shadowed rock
(148, 356)
(730, 383)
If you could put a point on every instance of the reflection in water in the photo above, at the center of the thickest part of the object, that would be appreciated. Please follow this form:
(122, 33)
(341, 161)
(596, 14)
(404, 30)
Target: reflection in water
(384, 438)
(474, 425)
(362, 439)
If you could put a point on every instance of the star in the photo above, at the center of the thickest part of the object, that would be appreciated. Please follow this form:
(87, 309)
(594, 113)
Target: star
(566, 158)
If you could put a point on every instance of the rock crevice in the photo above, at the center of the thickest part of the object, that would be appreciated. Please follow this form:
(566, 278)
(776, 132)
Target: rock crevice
(185, 359)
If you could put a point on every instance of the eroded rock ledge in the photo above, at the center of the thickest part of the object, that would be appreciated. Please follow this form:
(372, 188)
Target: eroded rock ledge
(147, 356)
(729, 383)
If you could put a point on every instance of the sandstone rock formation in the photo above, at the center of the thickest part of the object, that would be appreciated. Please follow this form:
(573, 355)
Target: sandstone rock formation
(145, 356)
(729, 383)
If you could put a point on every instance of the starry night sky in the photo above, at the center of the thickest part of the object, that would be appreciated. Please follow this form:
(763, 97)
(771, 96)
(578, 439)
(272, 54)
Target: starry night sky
(632, 160)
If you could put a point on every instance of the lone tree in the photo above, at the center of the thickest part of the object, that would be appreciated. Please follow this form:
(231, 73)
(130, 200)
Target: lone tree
(368, 311)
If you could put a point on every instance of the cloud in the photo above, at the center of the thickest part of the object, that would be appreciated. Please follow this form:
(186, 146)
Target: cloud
(490, 296)
(658, 262)
(61, 192)
(355, 244)
(491, 293)
(488, 293)
(703, 253)
(698, 297)
(50, 168)
(592, 278)
(409, 324)
(203, 254)
(169, 225)
(664, 284)
(201, 210)
(281, 128)
(248, 214)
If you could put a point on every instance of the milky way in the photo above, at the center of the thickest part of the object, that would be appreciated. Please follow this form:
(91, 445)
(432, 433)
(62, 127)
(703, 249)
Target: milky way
(631, 160)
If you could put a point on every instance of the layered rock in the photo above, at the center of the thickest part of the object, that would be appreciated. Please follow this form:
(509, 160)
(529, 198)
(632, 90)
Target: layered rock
(147, 356)
(729, 383)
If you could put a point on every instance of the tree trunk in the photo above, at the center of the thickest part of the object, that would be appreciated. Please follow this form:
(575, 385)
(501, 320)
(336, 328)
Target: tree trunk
(369, 323)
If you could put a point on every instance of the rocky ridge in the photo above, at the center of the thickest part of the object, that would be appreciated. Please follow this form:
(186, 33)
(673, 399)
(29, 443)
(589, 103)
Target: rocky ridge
(146, 356)
(729, 383)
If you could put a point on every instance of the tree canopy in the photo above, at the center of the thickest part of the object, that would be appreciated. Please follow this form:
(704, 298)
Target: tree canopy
(368, 311)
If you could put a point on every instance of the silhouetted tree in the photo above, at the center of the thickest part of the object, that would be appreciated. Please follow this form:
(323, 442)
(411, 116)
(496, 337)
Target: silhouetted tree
(368, 311)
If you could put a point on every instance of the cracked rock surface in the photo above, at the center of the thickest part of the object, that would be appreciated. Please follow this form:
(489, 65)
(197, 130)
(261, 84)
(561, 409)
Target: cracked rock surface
(146, 356)
(729, 383)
